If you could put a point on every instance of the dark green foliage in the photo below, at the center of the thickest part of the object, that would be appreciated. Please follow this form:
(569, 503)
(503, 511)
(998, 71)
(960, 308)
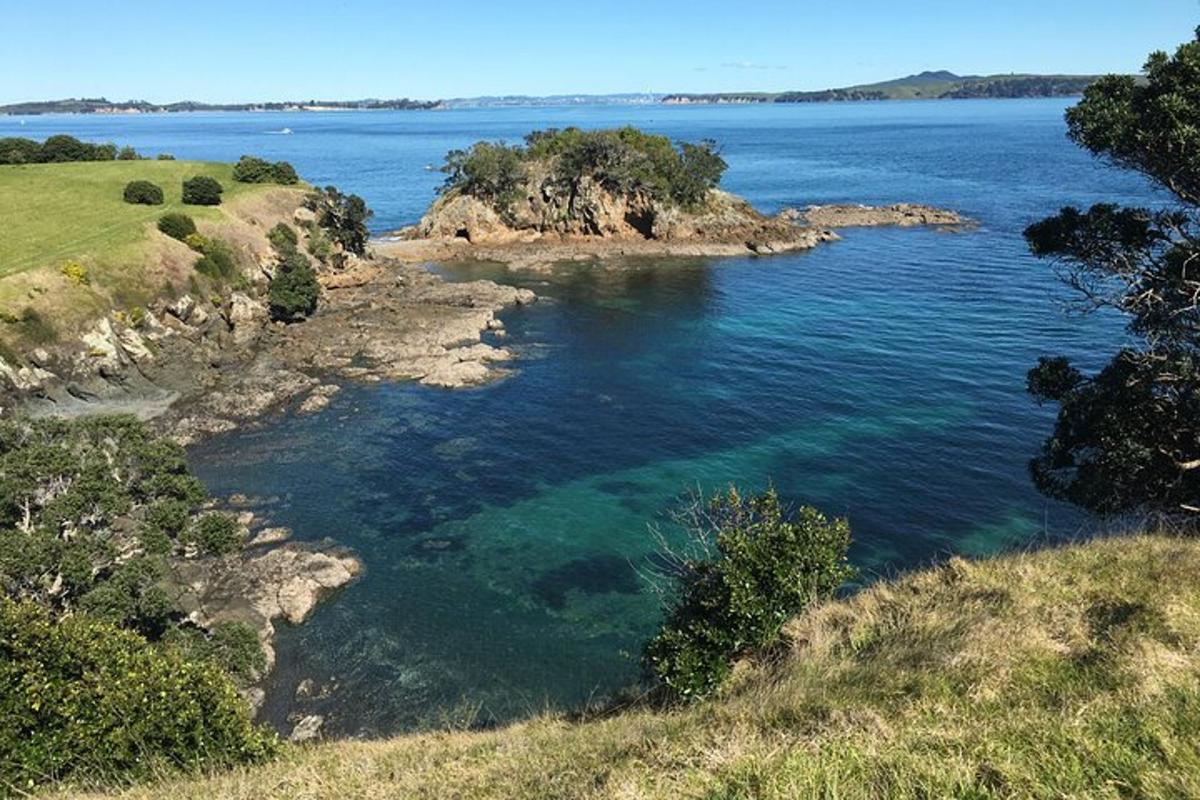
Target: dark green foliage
(127, 154)
(216, 260)
(294, 291)
(18, 150)
(165, 157)
(625, 161)
(234, 646)
(343, 218)
(202, 191)
(80, 697)
(71, 495)
(63, 148)
(283, 238)
(759, 565)
(143, 193)
(176, 225)
(256, 170)
(1127, 439)
(492, 172)
(35, 328)
(215, 534)
(67, 491)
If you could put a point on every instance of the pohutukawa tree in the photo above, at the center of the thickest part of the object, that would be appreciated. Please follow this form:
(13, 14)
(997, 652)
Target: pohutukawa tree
(1127, 439)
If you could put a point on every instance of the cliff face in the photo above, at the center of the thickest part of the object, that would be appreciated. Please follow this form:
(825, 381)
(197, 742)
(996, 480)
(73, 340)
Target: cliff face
(591, 211)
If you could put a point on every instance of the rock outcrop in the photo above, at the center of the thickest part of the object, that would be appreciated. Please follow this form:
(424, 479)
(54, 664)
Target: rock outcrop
(544, 227)
(257, 587)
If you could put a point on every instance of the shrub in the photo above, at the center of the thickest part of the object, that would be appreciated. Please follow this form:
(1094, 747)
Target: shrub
(250, 169)
(196, 241)
(202, 190)
(343, 217)
(216, 259)
(144, 193)
(216, 534)
(18, 150)
(283, 238)
(294, 290)
(176, 225)
(758, 565)
(76, 273)
(82, 697)
(165, 157)
(63, 148)
(232, 645)
(127, 154)
(319, 246)
(36, 328)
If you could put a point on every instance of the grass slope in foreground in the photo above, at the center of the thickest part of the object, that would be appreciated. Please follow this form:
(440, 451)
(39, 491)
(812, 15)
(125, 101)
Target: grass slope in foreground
(59, 213)
(1070, 672)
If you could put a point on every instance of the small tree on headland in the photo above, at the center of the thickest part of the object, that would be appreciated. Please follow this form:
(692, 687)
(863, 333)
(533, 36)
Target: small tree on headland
(1127, 439)
(755, 564)
(343, 216)
(202, 191)
(143, 193)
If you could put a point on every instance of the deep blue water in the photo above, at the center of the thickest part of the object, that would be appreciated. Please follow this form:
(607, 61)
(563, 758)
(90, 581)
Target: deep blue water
(880, 377)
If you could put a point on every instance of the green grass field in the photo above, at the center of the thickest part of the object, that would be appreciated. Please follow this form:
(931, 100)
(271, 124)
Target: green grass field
(56, 212)
(1064, 673)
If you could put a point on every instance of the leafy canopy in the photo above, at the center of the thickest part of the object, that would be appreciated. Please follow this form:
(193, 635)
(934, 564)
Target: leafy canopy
(757, 565)
(624, 161)
(1127, 439)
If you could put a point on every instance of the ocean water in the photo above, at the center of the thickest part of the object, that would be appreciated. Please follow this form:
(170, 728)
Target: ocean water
(505, 529)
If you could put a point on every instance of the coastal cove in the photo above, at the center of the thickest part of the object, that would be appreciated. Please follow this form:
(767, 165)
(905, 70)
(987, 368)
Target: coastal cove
(503, 528)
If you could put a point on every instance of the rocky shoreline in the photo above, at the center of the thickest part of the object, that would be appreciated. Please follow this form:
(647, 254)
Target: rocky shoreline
(195, 370)
(463, 228)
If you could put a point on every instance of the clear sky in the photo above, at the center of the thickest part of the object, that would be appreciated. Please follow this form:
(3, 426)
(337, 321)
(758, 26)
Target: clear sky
(243, 50)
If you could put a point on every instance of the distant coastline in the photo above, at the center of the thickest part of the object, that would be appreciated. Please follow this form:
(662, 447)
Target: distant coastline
(941, 85)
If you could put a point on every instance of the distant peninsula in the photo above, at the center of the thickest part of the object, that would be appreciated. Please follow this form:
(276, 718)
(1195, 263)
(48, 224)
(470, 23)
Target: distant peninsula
(940, 85)
(101, 105)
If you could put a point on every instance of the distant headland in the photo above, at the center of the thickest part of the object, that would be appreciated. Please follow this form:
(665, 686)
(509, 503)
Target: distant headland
(939, 85)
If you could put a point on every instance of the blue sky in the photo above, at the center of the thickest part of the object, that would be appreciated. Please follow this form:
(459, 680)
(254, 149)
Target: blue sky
(265, 49)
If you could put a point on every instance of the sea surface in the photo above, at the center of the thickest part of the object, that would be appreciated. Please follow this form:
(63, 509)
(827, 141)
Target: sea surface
(506, 530)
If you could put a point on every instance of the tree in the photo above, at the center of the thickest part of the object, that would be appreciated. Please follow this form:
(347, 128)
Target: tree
(127, 154)
(250, 169)
(63, 148)
(82, 698)
(1127, 439)
(143, 193)
(18, 150)
(202, 190)
(755, 564)
(176, 225)
(294, 290)
(344, 217)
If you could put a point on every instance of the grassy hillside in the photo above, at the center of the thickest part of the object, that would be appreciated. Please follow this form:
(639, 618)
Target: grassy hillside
(53, 212)
(1072, 672)
(74, 212)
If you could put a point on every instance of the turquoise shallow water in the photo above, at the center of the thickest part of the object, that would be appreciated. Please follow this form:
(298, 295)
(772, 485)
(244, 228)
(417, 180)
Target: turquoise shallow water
(503, 528)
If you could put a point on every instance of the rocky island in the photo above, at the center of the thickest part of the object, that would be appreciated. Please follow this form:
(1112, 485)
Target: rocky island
(569, 195)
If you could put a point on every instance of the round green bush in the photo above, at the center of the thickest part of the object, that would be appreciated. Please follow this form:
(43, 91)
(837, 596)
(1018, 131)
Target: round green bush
(82, 697)
(176, 225)
(202, 190)
(250, 169)
(294, 290)
(143, 193)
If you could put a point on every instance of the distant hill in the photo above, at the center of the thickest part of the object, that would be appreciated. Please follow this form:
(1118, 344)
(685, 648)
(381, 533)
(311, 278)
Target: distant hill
(940, 85)
(100, 105)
